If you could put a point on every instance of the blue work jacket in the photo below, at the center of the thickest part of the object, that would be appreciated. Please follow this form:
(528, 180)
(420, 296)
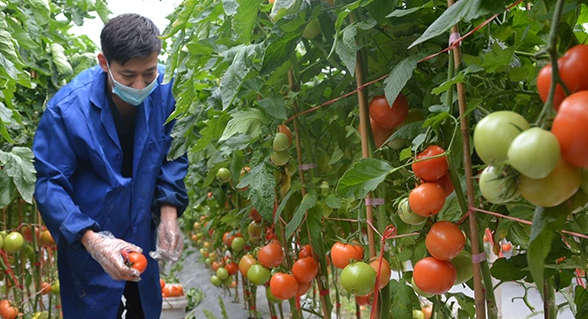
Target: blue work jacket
(78, 159)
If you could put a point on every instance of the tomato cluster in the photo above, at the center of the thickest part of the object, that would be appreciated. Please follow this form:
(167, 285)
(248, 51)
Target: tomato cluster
(280, 144)
(541, 165)
(437, 274)
(430, 167)
(171, 290)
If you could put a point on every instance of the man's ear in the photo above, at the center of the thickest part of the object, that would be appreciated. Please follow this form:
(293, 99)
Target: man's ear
(102, 62)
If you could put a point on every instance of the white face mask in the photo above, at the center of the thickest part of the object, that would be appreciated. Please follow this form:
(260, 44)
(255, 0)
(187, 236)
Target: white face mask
(131, 95)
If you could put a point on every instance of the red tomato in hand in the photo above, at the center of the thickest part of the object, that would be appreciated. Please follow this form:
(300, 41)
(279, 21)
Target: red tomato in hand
(342, 254)
(135, 260)
(571, 129)
(434, 276)
(389, 117)
(445, 240)
(283, 286)
(427, 199)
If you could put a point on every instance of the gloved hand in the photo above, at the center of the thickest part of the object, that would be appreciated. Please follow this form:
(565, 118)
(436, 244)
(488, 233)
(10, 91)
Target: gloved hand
(108, 252)
(169, 239)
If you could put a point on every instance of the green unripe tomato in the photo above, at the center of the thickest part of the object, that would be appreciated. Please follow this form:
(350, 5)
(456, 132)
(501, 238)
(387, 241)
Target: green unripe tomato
(280, 158)
(223, 175)
(312, 29)
(281, 142)
(215, 280)
(497, 186)
(222, 273)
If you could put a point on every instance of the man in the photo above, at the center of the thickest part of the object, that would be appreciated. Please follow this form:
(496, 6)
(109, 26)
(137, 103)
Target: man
(104, 184)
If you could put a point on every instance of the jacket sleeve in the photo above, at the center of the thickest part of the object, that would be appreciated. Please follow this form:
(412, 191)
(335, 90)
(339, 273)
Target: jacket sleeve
(170, 187)
(55, 162)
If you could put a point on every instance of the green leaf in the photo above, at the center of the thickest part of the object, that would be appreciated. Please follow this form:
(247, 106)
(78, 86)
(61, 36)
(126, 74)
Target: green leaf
(6, 189)
(510, 269)
(279, 48)
(403, 300)
(543, 231)
(262, 184)
(18, 164)
(246, 122)
(463, 10)
(363, 177)
(60, 60)
(41, 11)
(308, 202)
(404, 12)
(347, 48)
(241, 65)
(401, 73)
(245, 19)
(213, 131)
(7, 47)
(581, 302)
(275, 106)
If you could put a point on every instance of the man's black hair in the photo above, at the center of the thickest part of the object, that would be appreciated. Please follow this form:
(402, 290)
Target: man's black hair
(129, 36)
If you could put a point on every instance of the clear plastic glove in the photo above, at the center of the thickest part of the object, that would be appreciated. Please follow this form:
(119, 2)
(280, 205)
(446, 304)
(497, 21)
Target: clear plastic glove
(169, 242)
(108, 252)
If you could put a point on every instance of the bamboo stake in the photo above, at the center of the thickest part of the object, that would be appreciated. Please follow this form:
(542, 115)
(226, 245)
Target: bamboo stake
(364, 123)
(473, 222)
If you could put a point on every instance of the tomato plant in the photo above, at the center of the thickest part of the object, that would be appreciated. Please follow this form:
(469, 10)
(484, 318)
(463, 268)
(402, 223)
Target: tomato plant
(344, 253)
(388, 116)
(552, 190)
(358, 278)
(428, 167)
(283, 286)
(427, 199)
(305, 269)
(434, 276)
(271, 255)
(495, 132)
(445, 240)
(570, 129)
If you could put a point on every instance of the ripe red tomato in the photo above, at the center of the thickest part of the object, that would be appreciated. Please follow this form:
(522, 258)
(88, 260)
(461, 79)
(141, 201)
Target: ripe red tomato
(388, 117)
(434, 276)
(358, 278)
(161, 282)
(364, 300)
(569, 126)
(135, 260)
(380, 134)
(172, 290)
(305, 269)
(283, 286)
(232, 268)
(445, 240)
(303, 288)
(554, 189)
(8, 310)
(384, 272)
(494, 134)
(573, 66)
(427, 199)
(45, 288)
(271, 255)
(305, 251)
(534, 152)
(446, 183)
(255, 215)
(342, 254)
(431, 169)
